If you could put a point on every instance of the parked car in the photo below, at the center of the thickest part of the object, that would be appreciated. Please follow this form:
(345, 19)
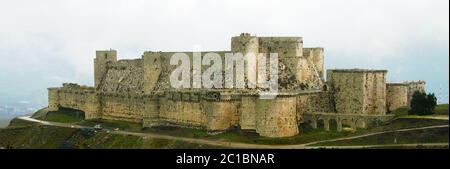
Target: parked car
(98, 127)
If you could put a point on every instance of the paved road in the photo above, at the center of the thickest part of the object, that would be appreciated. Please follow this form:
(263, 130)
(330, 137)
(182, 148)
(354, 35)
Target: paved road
(255, 146)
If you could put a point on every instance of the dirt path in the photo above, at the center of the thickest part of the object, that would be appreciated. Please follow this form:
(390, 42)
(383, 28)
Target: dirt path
(435, 117)
(255, 146)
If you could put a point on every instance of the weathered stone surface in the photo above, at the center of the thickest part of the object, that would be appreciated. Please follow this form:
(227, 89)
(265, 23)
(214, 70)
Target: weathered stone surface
(358, 91)
(397, 95)
(276, 117)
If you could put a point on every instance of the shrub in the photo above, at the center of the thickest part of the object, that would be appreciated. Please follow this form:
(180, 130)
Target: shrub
(422, 103)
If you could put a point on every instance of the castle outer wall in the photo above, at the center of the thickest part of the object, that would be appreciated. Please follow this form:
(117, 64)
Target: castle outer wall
(139, 90)
(211, 111)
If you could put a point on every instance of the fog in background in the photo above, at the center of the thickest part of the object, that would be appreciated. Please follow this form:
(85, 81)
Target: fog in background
(47, 42)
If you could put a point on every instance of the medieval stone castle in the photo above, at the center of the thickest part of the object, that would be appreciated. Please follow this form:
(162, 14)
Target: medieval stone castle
(139, 91)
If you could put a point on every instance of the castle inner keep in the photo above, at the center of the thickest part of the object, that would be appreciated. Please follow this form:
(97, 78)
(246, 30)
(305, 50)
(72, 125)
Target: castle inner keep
(139, 90)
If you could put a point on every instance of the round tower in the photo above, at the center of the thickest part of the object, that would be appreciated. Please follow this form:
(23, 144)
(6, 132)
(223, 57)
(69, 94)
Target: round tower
(248, 46)
(245, 43)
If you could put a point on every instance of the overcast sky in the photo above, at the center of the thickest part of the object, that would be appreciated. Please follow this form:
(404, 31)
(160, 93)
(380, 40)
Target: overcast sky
(44, 43)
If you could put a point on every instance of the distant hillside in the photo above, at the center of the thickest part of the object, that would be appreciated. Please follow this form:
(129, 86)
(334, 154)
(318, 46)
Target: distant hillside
(4, 123)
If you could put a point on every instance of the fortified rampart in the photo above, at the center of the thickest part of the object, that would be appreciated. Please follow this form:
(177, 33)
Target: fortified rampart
(139, 91)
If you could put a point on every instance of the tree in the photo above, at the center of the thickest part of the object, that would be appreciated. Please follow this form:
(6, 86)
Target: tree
(423, 103)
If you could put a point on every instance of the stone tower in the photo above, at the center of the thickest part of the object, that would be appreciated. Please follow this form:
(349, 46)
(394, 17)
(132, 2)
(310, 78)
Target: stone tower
(102, 58)
(358, 91)
(293, 68)
(290, 62)
(152, 70)
(246, 44)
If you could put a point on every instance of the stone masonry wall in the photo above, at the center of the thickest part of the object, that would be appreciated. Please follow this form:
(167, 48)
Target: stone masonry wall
(397, 96)
(124, 107)
(316, 101)
(375, 92)
(222, 114)
(348, 90)
(358, 91)
(248, 112)
(184, 113)
(76, 97)
(277, 117)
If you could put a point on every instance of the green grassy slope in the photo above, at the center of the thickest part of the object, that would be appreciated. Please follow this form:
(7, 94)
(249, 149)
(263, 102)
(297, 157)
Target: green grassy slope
(436, 135)
(22, 134)
(441, 109)
(63, 115)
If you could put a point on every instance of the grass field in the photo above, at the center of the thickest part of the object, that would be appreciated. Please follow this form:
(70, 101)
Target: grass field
(24, 134)
(249, 136)
(436, 135)
(306, 133)
(441, 109)
(401, 121)
(64, 116)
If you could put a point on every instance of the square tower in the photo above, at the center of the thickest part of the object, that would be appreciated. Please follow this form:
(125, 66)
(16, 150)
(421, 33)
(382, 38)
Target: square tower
(102, 58)
(358, 91)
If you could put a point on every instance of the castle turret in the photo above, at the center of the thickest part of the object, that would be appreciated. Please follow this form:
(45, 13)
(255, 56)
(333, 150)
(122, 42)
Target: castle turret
(290, 62)
(102, 58)
(315, 57)
(246, 44)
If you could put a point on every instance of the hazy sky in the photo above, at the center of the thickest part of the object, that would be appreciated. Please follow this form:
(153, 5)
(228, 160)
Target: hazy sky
(44, 43)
